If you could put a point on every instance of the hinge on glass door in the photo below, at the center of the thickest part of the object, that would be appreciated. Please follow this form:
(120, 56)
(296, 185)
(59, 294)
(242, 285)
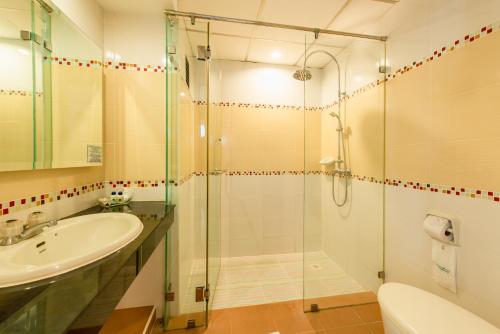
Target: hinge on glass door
(199, 294)
(191, 323)
(381, 274)
(26, 35)
(207, 294)
(314, 308)
(170, 295)
(47, 45)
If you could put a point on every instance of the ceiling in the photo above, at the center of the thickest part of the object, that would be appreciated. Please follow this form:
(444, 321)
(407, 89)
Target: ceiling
(269, 45)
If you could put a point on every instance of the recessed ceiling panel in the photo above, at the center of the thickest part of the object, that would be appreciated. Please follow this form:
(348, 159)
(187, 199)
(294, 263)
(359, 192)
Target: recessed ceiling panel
(359, 14)
(246, 9)
(265, 51)
(336, 41)
(285, 35)
(310, 13)
(134, 6)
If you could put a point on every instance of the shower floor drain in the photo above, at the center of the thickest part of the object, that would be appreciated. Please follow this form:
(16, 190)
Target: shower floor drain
(316, 266)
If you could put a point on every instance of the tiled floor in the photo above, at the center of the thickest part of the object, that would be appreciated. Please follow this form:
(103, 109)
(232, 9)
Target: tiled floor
(289, 318)
(253, 280)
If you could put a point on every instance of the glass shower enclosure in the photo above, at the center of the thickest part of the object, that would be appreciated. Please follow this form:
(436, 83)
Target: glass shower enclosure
(194, 180)
(344, 177)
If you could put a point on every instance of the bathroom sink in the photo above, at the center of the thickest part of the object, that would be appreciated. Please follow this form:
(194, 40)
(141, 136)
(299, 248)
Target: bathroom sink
(72, 243)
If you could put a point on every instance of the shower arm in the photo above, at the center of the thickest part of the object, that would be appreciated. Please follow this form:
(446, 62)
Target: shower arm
(339, 129)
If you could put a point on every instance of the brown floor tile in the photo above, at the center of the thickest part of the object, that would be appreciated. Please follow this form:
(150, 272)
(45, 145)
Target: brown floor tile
(376, 327)
(252, 320)
(369, 312)
(359, 329)
(220, 322)
(342, 300)
(290, 318)
(340, 317)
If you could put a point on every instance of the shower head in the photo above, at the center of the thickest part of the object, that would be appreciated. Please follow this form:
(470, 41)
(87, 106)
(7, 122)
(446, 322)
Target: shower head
(302, 75)
(334, 114)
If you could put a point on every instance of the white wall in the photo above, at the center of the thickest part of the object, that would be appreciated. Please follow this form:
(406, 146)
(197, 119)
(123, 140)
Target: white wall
(408, 247)
(429, 25)
(418, 27)
(256, 83)
(137, 39)
(87, 14)
(262, 215)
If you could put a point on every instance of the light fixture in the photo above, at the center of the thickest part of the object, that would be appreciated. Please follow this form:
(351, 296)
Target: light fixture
(182, 94)
(276, 54)
(358, 78)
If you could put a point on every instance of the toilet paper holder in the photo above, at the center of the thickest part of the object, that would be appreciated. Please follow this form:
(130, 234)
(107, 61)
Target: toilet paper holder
(452, 230)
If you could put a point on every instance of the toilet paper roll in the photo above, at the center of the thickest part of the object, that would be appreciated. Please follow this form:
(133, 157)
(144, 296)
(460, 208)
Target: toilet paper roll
(436, 228)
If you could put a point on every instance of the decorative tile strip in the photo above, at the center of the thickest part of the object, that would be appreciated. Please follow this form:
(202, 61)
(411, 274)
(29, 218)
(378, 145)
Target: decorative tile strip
(75, 62)
(251, 106)
(134, 67)
(8, 207)
(456, 44)
(18, 92)
(445, 189)
(135, 184)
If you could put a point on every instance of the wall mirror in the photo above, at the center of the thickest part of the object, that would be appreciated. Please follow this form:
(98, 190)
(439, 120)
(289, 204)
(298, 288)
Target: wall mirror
(50, 89)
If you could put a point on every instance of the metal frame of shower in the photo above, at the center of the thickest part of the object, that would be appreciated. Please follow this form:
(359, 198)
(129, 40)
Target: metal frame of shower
(315, 31)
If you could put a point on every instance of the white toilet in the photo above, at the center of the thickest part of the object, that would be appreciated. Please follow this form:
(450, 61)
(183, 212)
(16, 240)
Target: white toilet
(408, 310)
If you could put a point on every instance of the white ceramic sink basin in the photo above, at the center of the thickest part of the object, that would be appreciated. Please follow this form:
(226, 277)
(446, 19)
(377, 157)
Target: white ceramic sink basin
(72, 243)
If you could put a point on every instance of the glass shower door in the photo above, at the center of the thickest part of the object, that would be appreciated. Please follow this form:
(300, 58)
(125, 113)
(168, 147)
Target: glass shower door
(343, 242)
(186, 249)
(215, 174)
(194, 180)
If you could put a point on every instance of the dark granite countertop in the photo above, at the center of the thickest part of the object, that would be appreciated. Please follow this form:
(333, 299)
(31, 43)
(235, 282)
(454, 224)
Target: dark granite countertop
(27, 308)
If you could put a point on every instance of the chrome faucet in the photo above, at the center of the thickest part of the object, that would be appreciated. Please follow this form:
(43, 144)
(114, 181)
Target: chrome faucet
(33, 230)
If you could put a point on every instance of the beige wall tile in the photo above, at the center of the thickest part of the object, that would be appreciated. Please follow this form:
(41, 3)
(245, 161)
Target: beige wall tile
(135, 119)
(442, 119)
(16, 185)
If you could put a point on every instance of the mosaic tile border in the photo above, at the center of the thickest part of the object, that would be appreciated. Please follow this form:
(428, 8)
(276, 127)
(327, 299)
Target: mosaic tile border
(135, 67)
(446, 189)
(456, 44)
(75, 62)
(8, 207)
(276, 107)
(135, 183)
(18, 92)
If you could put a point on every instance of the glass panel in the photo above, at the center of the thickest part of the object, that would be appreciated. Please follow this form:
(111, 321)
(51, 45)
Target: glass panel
(43, 87)
(343, 199)
(52, 101)
(214, 138)
(16, 87)
(76, 72)
(187, 178)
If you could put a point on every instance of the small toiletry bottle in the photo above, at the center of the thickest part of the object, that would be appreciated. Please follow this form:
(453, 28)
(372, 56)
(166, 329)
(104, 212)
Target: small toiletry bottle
(113, 197)
(119, 198)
